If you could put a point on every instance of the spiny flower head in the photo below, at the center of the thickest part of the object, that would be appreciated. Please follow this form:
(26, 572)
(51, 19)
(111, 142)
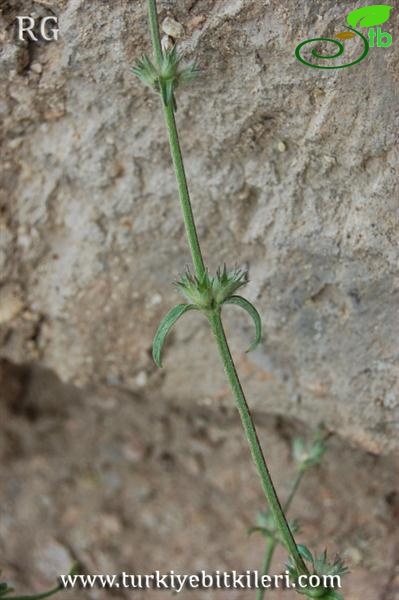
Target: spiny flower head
(210, 291)
(309, 454)
(197, 290)
(172, 68)
(323, 566)
(166, 78)
(147, 72)
(226, 283)
(320, 566)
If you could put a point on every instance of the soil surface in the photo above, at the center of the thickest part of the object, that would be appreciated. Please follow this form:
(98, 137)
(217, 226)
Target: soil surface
(121, 482)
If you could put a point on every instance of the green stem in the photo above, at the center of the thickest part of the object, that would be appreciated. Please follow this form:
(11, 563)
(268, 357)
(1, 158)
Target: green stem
(184, 195)
(175, 150)
(214, 317)
(253, 440)
(154, 29)
(271, 543)
(267, 560)
(294, 488)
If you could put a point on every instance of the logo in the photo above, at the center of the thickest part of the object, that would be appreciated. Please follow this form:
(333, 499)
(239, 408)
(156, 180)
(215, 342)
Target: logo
(369, 16)
(36, 30)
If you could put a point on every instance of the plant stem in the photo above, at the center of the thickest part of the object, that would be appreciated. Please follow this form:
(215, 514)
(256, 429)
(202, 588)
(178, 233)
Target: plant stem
(267, 560)
(184, 195)
(253, 440)
(175, 151)
(294, 488)
(154, 29)
(215, 318)
(272, 543)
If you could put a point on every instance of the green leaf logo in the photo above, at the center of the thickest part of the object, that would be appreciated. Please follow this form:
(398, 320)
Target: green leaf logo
(369, 16)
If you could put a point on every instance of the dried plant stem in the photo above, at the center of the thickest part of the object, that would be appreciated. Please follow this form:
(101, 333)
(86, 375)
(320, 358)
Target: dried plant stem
(215, 317)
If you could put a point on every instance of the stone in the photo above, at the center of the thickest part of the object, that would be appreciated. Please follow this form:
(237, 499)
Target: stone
(172, 28)
(36, 68)
(11, 302)
(52, 559)
(94, 230)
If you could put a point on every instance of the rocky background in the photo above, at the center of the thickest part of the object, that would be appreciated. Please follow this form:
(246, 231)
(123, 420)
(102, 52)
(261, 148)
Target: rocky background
(104, 458)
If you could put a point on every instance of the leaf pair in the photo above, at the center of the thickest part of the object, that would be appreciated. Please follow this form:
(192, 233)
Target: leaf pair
(207, 291)
(178, 311)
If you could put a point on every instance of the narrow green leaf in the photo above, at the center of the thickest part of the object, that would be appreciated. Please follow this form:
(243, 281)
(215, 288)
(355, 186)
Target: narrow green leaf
(164, 328)
(305, 552)
(251, 310)
(369, 16)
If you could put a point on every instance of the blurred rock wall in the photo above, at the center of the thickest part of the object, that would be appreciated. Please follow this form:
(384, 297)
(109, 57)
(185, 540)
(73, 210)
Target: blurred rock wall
(293, 173)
